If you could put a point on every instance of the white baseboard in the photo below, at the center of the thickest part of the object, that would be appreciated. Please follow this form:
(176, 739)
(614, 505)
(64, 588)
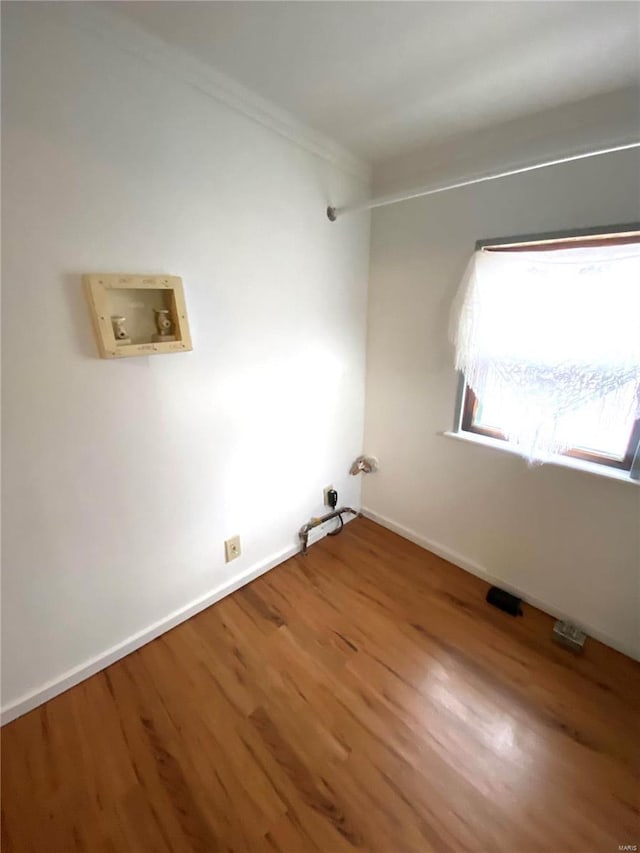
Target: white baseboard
(480, 571)
(74, 676)
(29, 701)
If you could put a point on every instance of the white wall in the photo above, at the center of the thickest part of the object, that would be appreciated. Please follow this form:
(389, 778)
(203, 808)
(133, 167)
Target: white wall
(601, 121)
(123, 478)
(566, 539)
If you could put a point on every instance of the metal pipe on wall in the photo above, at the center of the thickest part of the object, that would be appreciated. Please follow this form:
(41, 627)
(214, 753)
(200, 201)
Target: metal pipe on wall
(304, 531)
(382, 201)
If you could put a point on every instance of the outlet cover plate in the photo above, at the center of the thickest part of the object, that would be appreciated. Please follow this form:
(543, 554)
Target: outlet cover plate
(232, 548)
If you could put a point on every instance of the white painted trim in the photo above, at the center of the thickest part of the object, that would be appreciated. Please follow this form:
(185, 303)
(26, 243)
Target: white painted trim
(559, 461)
(123, 34)
(33, 698)
(480, 571)
(74, 676)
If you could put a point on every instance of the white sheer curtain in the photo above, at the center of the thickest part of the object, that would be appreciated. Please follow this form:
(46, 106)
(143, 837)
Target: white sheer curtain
(548, 336)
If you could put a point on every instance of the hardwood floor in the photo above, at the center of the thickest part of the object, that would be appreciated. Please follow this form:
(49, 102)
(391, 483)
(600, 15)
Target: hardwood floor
(362, 697)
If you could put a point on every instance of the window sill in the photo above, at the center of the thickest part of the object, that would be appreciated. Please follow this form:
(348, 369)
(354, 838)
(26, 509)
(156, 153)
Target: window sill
(560, 461)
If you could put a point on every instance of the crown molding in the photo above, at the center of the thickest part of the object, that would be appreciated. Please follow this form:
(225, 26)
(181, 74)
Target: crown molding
(126, 36)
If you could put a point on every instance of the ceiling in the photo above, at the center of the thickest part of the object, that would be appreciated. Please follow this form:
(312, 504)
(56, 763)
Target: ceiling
(384, 78)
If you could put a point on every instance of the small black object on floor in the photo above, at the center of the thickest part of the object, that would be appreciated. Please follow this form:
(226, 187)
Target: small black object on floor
(503, 600)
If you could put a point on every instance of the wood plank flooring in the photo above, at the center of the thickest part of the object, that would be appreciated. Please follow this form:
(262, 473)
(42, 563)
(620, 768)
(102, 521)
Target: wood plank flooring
(362, 697)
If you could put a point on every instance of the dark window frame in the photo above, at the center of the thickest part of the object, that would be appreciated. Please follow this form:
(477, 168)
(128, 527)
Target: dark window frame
(628, 233)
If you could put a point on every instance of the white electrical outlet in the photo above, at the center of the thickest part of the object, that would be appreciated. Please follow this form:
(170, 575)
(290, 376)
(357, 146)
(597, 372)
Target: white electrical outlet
(325, 495)
(232, 548)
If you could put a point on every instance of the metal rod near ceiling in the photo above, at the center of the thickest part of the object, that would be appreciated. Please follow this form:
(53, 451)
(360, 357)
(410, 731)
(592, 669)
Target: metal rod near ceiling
(382, 201)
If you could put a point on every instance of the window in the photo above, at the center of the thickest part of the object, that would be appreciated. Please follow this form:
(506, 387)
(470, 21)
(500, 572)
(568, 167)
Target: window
(548, 339)
(609, 444)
